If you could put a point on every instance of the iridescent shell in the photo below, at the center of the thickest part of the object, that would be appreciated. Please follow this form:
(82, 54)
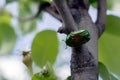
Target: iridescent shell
(77, 38)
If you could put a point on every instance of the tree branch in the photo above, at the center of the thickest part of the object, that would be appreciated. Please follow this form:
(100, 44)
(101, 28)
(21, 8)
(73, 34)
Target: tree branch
(84, 60)
(47, 7)
(83, 65)
(86, 4)
(40, 8)
(52, 11)
(68, 21)
(101, 17)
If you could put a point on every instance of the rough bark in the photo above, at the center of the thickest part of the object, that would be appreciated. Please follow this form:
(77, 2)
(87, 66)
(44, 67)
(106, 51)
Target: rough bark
(87, 53)
(84, 59)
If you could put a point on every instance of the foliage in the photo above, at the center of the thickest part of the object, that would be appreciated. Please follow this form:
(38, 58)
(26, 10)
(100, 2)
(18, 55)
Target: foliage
(68, 78)
(42, 1)
(7, 34)
(113, 25)
(104, 73)
(111, 4)
(45, 47)
(92, 1)
(45, 44)
(46, 73)
(109, 45)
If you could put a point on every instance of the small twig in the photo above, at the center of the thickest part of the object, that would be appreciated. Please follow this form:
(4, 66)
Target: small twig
(66, 15)
(101, 17)
(52, 12)
(40, 8)
(62, 30)
(50, 8)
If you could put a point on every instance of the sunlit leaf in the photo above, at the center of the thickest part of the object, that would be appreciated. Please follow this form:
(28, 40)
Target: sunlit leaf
(9, 1)
(46, 73)
(36, 76)
(0, 39)
(27, 9)
(27, 27)
(109, 52)
(104, 74)
(7, 34)
(8, 39)
(5, 17)
(45, 47)
(113, 25)
(111, 4)
(112, 77)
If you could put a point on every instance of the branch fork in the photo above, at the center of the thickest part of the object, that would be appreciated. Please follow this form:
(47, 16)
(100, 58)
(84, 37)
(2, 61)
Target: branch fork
(83, 64)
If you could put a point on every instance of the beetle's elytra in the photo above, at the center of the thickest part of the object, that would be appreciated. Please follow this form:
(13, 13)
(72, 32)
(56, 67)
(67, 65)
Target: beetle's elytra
(77, 38)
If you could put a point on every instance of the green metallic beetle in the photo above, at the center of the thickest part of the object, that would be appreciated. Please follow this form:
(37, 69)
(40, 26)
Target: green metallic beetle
(77, 38)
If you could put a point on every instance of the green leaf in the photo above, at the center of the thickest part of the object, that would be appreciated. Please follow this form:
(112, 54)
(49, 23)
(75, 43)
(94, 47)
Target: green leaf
(36, 76)
(109, 52)
(69, 78)
(45, 74)
(92, 1)
(0, 39)
(9, 1)
(111, 4)
(5, 18)
(27, 9)
(45, 47)
(113, 25)
(8, 38)
(112, 77)
(47, 70)
(27, 27)
(103, 71)
(7, 34)
(42, 1)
